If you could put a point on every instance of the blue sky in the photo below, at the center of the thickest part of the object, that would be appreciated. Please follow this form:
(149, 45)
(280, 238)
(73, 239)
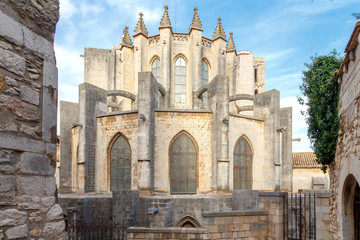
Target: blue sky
(285, 32)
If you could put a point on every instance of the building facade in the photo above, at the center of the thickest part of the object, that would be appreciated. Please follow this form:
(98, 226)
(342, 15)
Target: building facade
(174, 113)
(307, 173)
(344, 172)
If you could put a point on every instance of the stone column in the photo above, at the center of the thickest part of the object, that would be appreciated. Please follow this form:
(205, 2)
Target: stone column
(28, 109)
(147, 102)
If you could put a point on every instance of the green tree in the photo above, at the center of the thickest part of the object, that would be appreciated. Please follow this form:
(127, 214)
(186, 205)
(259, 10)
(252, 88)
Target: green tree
(321, 89)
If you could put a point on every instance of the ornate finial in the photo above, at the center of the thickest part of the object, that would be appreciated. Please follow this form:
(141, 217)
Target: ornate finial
(140, 27)
(196, 23)
(231, 45)
(219, 31)
(165, 20)
(125, 39)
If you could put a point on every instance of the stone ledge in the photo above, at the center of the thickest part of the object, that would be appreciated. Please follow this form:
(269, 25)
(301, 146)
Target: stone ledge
(236, 213)
(272, 194)
(166, 230)
(184, 110)
(246, 117)
(116, 113)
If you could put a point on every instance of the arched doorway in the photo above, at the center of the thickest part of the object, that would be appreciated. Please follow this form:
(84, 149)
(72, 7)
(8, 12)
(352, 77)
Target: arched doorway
(351, 209)
(120, 164)
(242, 166)
(188, 222)
(183, 165)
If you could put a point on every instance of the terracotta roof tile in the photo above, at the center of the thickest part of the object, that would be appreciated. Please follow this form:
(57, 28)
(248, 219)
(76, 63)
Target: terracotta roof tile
(305, 160)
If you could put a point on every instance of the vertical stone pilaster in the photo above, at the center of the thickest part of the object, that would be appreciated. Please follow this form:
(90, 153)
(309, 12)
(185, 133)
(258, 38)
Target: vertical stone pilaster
(219, 103)
(147, 102)
(92, 101)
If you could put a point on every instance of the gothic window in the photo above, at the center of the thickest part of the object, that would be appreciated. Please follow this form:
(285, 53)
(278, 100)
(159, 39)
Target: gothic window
(242, 165)
(180, 80)
(204, 81)
(183, 169)
(120, 165)
(155, 68)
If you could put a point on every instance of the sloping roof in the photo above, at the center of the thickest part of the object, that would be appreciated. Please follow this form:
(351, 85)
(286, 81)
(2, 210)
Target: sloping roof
(305, 160)
(351, 45)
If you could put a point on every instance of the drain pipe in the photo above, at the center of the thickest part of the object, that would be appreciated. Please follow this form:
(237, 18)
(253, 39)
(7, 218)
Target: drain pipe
(151, 213)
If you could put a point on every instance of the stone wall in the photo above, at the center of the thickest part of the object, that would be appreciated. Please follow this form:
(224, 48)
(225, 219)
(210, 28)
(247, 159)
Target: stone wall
(28, 106)
(322, 216)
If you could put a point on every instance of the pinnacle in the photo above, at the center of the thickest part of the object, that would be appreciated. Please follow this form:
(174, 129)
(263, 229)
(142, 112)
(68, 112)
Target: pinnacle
(219, 31)
(196, 23)
(125, 39)
(140, 27)
(231, 45)
(165, 20)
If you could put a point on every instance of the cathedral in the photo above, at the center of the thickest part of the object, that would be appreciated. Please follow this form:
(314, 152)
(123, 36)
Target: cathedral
(174, 114)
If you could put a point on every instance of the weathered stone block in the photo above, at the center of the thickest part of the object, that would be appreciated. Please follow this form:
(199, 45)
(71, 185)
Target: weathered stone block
(2, 83)
(7, 183)
(17, 232)
(50, 73)
(12, 217)
(22, 110)
(54, 230)
(29, 95)
(7, 169)
(34, 163)
(11, 82)
(32, 186)
(36, 232)
(54, 213)
(12, 62)
(49, 109)
(48, 201)
(21, 143)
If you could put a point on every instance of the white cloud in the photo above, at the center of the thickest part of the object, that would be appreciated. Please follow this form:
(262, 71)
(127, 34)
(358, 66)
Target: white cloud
(299, 124)
(69, 61)
(150, 15)
(67, 9)
(283, 55)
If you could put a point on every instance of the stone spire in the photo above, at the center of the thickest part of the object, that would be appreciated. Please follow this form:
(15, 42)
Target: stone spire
(219, 31)
(140, 27)
(165, 20)
(196, 23)
(231, 45)
(125, 39)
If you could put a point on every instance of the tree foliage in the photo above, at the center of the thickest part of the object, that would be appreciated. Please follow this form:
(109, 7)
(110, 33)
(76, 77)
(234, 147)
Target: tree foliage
(356, 15)
(321, 89)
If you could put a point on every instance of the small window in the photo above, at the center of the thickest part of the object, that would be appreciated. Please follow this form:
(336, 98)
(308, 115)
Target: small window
(155, 68)
(204, 81)
(180, 80)
(120, 165)
(242, 165)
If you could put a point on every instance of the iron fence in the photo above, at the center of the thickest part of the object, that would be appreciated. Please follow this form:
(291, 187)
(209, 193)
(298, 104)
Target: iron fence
(95, 231)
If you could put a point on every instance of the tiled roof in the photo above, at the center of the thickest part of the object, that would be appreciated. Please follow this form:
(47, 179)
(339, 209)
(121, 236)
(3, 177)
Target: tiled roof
(305, 160)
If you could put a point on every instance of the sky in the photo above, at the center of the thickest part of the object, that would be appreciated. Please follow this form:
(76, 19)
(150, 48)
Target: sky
(284, 32)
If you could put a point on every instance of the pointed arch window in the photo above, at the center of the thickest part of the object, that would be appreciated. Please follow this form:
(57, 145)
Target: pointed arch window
(155, 68)
(242, 165)
(180, 80)
(120, 165)
(204, 81)
(183, 165)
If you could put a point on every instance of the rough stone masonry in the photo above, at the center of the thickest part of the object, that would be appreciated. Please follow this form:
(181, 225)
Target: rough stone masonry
(28, 107)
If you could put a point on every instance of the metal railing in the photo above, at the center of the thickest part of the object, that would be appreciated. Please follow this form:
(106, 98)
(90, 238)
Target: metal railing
(301, 216)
